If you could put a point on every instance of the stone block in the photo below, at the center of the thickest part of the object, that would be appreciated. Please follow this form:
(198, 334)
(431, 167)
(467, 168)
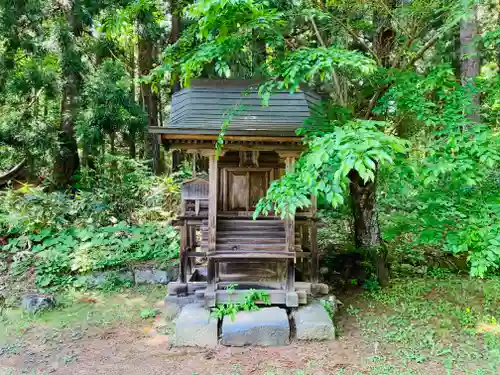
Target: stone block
(176, 288)
(312, 322)
(196, 286)
(175, 304)
(100, 277)
(302, 297)
(196, 327)
(320, 289)
(151, 276)
(32, 303)
(210, 299)
(265, 327)
(303, 286)
(292, 299)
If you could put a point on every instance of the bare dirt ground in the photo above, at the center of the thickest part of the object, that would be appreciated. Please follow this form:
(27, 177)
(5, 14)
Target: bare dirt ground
(416, 327)
(145, 351)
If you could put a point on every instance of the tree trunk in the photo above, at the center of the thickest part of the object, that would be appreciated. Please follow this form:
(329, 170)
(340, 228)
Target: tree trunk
(131, 147)
(174, 37)
(366, 224)
(151, 143)
(364, 195)
(470, 60)
(112, 141)
(67, 161)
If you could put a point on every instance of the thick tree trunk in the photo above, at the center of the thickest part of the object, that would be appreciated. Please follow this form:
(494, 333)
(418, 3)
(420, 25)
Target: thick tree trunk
(363, 195)
(470, 60)
(151, 144)
(67, 161)
(366, 224)
(174, 37)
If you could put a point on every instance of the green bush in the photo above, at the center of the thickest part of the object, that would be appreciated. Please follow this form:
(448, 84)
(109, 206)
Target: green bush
(441, 223)
(59, 257)
(119, 189)
(116, 215)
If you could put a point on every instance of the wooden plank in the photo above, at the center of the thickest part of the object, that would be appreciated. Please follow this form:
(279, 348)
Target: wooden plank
(182, 255)
(314, 253)
(231, 147)
(196, 254)
(276, 297)
(222, 256)
(264, 220)
(212, 202)
(225, 189)
(290, 236)
(249, 240)
(271, 226)
(249, 247)
(212, 219)
(214, 137)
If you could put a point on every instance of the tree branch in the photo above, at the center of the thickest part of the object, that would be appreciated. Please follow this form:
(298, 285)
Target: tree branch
(318, 35)
(35, 98)
(357, 37)
(413, 60)
(336, 80)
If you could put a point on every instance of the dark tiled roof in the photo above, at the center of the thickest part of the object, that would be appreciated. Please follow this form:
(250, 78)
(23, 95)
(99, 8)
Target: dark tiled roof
(200, 109)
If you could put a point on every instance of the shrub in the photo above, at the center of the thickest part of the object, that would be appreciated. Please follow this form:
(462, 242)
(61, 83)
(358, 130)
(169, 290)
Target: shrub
(116, 215)
(119, 189)
(59, 257)
(436, 223)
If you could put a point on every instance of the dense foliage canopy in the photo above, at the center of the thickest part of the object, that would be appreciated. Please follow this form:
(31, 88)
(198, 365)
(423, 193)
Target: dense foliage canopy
(404, 146)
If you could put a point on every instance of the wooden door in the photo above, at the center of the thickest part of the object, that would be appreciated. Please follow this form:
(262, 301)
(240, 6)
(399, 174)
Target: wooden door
(238, 191)
(243, 187)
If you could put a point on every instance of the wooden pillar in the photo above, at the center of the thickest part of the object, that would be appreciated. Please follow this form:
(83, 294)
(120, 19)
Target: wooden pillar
(213, 177)
(314, 242)
(183, 253)
(212, 201)
(290, 220)
(292, 299)
(194, 163)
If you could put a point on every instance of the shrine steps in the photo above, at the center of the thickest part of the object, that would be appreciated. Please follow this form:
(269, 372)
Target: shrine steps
(248, 235)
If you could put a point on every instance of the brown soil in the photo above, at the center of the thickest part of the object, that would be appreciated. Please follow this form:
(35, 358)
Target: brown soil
(143, 351)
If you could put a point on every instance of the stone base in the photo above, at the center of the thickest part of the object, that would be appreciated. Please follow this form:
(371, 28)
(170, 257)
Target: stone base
(312, 322)
(195, 327)
(320, 289)
(149, 275)
(175, 304)
(265, 327)
(292, 299)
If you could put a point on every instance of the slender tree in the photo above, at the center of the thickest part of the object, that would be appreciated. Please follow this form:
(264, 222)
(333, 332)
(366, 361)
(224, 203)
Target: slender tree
(67, 160)
(470, 63)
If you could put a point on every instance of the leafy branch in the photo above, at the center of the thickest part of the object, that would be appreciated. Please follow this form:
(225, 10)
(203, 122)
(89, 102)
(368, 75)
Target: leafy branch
(249, 303)
(324, 168)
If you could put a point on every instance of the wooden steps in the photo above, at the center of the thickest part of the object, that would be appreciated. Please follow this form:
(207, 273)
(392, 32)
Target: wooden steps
(246, 235)
(223, 255)
(248, 247)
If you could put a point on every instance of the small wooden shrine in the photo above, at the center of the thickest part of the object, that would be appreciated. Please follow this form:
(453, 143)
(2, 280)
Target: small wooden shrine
(221, 244)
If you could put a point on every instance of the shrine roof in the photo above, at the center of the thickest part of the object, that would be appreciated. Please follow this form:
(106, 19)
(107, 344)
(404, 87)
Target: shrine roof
(203, 107)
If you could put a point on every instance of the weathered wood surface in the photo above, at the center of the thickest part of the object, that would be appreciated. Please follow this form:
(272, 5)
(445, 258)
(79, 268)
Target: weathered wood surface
(197, 109)
(237, 248)
(260, 254)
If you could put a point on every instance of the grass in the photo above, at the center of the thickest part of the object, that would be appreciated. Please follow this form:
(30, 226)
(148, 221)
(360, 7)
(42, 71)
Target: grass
(79, 311)
(427, 326)
(449, 321)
